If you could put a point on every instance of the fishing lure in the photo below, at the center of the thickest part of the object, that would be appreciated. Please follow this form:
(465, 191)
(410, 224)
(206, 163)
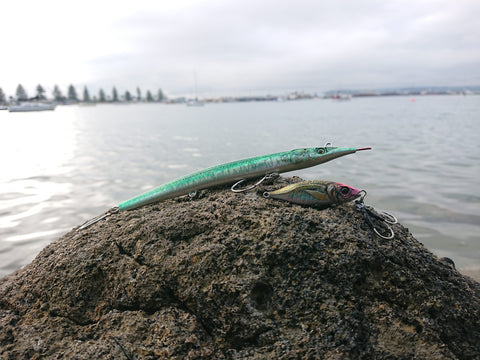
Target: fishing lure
(315, 193)
(239, 170)
(233, 171)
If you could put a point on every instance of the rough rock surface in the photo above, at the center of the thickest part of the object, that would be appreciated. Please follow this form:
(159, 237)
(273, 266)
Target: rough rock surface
(230, 276)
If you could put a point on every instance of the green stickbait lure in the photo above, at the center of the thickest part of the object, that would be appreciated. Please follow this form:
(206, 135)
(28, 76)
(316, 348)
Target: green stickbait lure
(230, 172)
(238, 170)
(315, 193)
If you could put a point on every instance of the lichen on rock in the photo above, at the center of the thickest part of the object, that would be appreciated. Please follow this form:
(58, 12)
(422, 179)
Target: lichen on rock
(226, 276)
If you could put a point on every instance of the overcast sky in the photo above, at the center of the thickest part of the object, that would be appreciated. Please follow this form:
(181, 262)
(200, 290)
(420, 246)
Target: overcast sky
(238, 47)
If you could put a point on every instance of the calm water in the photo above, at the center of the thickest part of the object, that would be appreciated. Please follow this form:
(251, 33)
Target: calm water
(61, 168)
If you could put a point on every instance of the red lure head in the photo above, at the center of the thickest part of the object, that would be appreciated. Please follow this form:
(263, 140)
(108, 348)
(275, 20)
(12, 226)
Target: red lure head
(345, 193)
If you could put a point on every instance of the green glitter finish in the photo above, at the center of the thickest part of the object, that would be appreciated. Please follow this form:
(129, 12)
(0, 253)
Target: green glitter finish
(237, 170)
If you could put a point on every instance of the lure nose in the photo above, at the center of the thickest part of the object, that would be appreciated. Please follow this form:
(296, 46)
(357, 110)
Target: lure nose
(349, 192)
(355, 193)
(365, 148)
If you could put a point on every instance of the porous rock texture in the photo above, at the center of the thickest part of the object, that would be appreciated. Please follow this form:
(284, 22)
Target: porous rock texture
(238, 276)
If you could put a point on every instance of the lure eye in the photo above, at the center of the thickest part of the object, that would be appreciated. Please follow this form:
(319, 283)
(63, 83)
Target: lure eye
(345, 190)
(321, 150)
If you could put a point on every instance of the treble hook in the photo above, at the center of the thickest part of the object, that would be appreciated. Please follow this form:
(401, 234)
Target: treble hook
(268, 176)
(368, 215)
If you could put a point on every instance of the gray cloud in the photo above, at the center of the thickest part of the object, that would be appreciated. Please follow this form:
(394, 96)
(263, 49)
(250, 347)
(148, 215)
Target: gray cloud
(251, 45)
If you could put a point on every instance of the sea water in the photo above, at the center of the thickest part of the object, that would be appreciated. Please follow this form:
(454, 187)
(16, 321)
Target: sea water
(60, 168)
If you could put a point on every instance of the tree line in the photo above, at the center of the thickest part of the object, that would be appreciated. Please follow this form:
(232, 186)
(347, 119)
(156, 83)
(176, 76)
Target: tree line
(73, 97)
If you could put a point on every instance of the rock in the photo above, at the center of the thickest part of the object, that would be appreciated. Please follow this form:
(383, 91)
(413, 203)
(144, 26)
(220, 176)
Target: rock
(230, 276)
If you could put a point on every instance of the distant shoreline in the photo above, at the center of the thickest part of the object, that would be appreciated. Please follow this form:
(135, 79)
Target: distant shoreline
(338, 94)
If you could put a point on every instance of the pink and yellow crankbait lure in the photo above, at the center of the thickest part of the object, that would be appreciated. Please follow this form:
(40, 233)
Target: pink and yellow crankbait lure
(315, 193)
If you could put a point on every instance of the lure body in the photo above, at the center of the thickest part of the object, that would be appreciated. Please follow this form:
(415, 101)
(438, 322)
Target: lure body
(237, 170)
(316, 193)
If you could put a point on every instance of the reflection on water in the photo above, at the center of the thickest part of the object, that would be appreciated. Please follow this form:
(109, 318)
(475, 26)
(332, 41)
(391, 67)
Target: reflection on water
(28, 197)
(35, 151)
(63, 167)
(34, 144)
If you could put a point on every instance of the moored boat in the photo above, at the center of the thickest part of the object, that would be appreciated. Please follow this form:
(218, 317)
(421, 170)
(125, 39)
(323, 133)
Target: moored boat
(195, 103)
(31, 107)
